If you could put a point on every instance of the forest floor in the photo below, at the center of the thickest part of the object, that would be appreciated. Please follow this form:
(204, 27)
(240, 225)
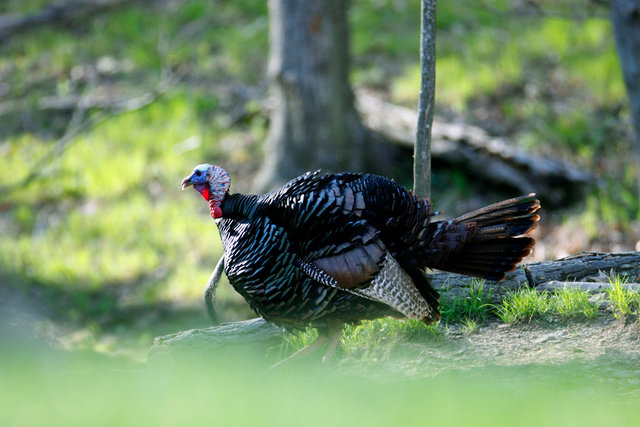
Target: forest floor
(100, 251)
(604, 349)
(80, 244)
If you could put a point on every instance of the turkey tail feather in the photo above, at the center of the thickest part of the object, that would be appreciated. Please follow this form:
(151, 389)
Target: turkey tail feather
(498, 212)
(497, 238)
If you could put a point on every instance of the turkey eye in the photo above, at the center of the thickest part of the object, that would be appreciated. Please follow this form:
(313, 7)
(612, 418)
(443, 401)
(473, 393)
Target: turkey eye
(198, 173)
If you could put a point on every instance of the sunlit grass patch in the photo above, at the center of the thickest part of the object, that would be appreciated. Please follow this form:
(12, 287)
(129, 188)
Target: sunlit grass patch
(481, 59)
(106, 223)
(574, 303)
(375, 339)
(623, 301)
(118, 243)
(469, 326)
(296, 340)
(370, 339)
(524, 305)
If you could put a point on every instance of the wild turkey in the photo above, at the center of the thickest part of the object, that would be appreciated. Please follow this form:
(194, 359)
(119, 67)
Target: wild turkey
(329, 249)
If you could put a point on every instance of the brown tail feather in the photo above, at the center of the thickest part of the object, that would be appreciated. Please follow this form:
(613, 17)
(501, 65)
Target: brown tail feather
(494, 245)
(497, 212)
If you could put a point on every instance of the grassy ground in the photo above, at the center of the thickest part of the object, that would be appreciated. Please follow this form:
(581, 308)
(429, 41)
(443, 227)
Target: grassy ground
(99, 242)
(463, 315)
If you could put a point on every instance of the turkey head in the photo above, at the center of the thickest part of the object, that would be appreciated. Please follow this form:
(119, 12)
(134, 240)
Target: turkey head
(212, 182)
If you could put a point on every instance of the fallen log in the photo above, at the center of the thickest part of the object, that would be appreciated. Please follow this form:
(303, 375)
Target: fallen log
(489, 158)
(580, 267)
(70, 103)
(252, 331)
(583, 266)
(59, 14)
(591, 287)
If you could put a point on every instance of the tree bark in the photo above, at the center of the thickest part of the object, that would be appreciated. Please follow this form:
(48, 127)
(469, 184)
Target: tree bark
(625, 16)
(542, 276)
(314, 123)
(422, 150)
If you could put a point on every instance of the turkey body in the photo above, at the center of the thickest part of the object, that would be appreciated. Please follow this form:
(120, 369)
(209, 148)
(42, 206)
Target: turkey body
(339, 248)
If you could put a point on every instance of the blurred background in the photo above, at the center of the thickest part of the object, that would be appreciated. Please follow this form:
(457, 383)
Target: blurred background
(104, 109)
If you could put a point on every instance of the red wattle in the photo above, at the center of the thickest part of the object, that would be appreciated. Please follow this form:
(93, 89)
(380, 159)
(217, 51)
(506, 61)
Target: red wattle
(216, 212)
(203, 189)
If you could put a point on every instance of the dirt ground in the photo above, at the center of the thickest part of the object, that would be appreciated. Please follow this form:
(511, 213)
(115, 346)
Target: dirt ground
(604, 349)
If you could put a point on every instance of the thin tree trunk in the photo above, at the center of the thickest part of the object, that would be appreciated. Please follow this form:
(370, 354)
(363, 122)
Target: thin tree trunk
(625, 16)
(314, 123)
(422, 151)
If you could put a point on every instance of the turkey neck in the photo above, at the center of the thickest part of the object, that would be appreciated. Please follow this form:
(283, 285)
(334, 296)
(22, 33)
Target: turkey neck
(239, 205)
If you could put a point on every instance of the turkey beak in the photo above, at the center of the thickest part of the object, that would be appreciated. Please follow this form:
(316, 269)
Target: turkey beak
(187, 182)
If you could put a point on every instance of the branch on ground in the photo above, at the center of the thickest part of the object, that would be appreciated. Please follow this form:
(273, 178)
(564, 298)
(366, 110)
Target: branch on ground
(489, 158)
(59, 14)
(579, 268)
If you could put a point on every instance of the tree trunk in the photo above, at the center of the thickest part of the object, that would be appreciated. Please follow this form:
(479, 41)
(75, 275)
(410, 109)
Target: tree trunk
(314, 123)
(625, 16)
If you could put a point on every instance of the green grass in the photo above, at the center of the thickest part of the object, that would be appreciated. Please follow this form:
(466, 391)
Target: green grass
(479, 59)
(469, 326)
(371, 340)
(124, 218)
(623, 301)
(374, 340)
(473, 305)
(103, 227)
(299, 339)
(524, 305)
(574, 304)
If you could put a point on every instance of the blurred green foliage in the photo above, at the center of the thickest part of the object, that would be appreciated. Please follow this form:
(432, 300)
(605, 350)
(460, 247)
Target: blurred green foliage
(81, 389)
(100, 231)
